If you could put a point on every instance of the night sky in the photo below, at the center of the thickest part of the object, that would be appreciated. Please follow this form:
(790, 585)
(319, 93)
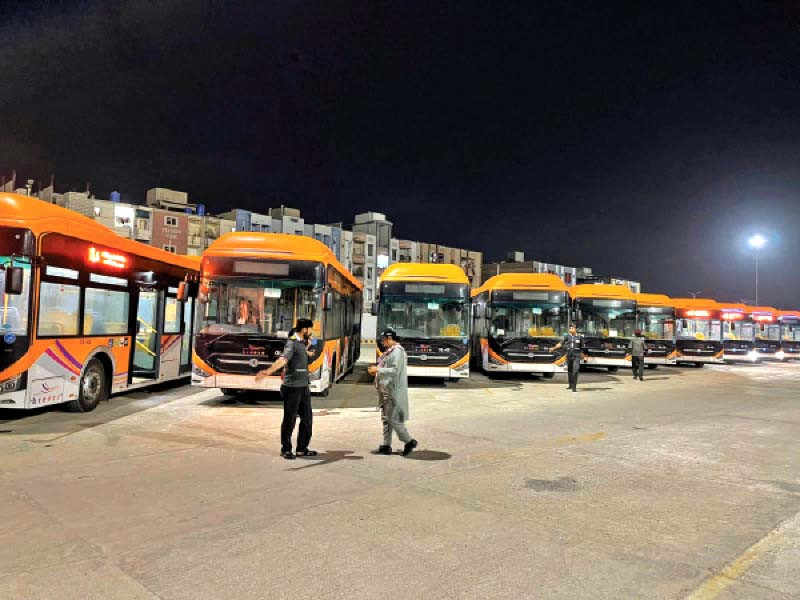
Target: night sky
(645, 144)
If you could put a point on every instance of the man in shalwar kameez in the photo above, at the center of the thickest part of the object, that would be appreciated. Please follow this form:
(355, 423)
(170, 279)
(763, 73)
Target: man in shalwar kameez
(391, 380)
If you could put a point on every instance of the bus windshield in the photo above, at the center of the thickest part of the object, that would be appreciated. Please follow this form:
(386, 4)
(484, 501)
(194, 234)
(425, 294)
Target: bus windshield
(516, 314)
(425, 317)
(14, 308)
(697, 329)
(769, 332)
(657, 323)
(258, 306)
(742, 331)
(791, 332)
(608, 318)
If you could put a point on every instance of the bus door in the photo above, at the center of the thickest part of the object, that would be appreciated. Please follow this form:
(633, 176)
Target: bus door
(170, 348)
(188, 330)
(146, 349)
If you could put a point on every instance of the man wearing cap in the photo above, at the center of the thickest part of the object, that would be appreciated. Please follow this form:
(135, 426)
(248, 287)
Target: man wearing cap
(295, 390)
(638, 350)
(391, 381)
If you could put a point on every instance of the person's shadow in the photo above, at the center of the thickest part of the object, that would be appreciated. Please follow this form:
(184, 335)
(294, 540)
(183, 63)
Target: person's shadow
(327, 458)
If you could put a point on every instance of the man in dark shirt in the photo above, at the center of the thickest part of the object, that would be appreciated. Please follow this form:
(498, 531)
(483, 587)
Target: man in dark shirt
(295, 390)
(638, 352)
(574, 346)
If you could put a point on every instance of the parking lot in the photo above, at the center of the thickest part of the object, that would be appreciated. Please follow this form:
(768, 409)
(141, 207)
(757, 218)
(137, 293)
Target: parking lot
(684, 485)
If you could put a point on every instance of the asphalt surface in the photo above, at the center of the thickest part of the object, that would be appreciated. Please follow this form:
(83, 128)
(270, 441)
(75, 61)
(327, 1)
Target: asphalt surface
(684, 485)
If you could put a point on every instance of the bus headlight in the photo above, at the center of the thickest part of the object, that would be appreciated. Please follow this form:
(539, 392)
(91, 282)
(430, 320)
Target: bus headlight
(780, 355)
(462, 367)
(315, 374)
(752, 355)
(200, 372)
(11, 385)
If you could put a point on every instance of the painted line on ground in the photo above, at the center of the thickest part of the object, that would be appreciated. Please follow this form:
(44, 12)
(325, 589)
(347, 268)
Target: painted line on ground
(716, 584)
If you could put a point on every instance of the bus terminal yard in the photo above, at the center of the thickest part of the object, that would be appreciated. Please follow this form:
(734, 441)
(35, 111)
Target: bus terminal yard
(684, 485)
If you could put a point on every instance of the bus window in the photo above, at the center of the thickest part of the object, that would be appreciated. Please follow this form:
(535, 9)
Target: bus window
(172, 316)
(106, 312)
(58, 309)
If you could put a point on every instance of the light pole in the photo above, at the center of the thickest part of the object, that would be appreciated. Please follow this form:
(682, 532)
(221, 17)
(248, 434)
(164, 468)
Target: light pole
(756, 242)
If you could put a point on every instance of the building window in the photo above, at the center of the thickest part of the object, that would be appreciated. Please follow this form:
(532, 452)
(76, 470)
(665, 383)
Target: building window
(170, 248)
(370, 249)
(369, 273)
(96, 211)
(394, 255)
(369, 295)
(171, 221)
(142, 223)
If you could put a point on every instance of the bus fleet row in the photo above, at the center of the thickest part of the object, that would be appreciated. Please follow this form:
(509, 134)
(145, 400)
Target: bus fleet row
(86, 313)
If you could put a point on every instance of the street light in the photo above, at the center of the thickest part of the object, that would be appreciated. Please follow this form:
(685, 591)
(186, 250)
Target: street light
(756, 242)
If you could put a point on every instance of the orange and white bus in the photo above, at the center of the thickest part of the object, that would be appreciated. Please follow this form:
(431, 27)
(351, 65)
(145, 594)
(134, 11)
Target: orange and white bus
(85, 313)
(606, 316)
(517, 320)
(698, 336)
(428, 306)
(766, 333)
(253, 288)
(655, 316)
(738, 333)
(790, 333)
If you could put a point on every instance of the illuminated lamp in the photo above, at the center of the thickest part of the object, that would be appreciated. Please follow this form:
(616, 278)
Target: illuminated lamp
(732, 316)
(697, 313)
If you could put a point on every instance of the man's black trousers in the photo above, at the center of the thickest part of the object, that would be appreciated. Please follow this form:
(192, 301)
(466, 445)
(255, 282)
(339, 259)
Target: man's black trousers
(296, 402)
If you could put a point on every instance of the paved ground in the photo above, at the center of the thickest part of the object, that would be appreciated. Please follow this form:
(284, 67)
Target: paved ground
(686, 485)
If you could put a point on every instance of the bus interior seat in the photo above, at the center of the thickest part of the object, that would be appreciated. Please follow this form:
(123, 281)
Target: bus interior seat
(58, 322)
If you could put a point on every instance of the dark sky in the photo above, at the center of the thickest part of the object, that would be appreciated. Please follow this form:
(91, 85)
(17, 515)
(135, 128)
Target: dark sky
(645, 144)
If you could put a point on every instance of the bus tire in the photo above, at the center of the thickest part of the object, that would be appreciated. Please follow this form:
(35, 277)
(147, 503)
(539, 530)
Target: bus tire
(92, 389)
(548, 375)
(613, 369)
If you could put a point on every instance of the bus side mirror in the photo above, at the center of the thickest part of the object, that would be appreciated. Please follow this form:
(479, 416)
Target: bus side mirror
(374, 309)
(733, 326)
(183, 291)
(684, 324)
(576, 315)
(14, 281)
(762, 327)
(327, 300)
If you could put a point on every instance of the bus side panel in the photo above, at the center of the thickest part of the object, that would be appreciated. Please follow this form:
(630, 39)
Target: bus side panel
(55, 376)
(170, 357)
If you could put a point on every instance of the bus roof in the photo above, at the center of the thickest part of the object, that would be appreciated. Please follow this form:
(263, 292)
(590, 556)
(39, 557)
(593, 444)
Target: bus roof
(654, 300)
(763, 310)
(441, 272)
(277, 246)
(522, 281)
(733, 307)
(602, 290)
(43, 217)
(698, 303)
(789, 314)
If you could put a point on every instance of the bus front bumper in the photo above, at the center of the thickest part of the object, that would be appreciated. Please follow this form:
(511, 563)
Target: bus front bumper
(527, 367)
(659, 360)
(13, 399)
(602, 361)
(438, 372)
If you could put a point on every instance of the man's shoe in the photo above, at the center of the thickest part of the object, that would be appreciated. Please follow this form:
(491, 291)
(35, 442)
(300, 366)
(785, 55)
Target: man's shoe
(287, 454)
(574, 389)
(382, 449)
(409, 447)
(307, 453)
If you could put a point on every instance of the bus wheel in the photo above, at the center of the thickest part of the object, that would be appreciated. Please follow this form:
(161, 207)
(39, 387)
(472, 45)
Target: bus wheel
(548, 375)
(613, 369)
(92, 390)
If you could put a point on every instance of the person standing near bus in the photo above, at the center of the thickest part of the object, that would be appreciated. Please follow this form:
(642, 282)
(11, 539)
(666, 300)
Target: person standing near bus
(391, 380)
(295, 390)
(574, 346)
(638, 350)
